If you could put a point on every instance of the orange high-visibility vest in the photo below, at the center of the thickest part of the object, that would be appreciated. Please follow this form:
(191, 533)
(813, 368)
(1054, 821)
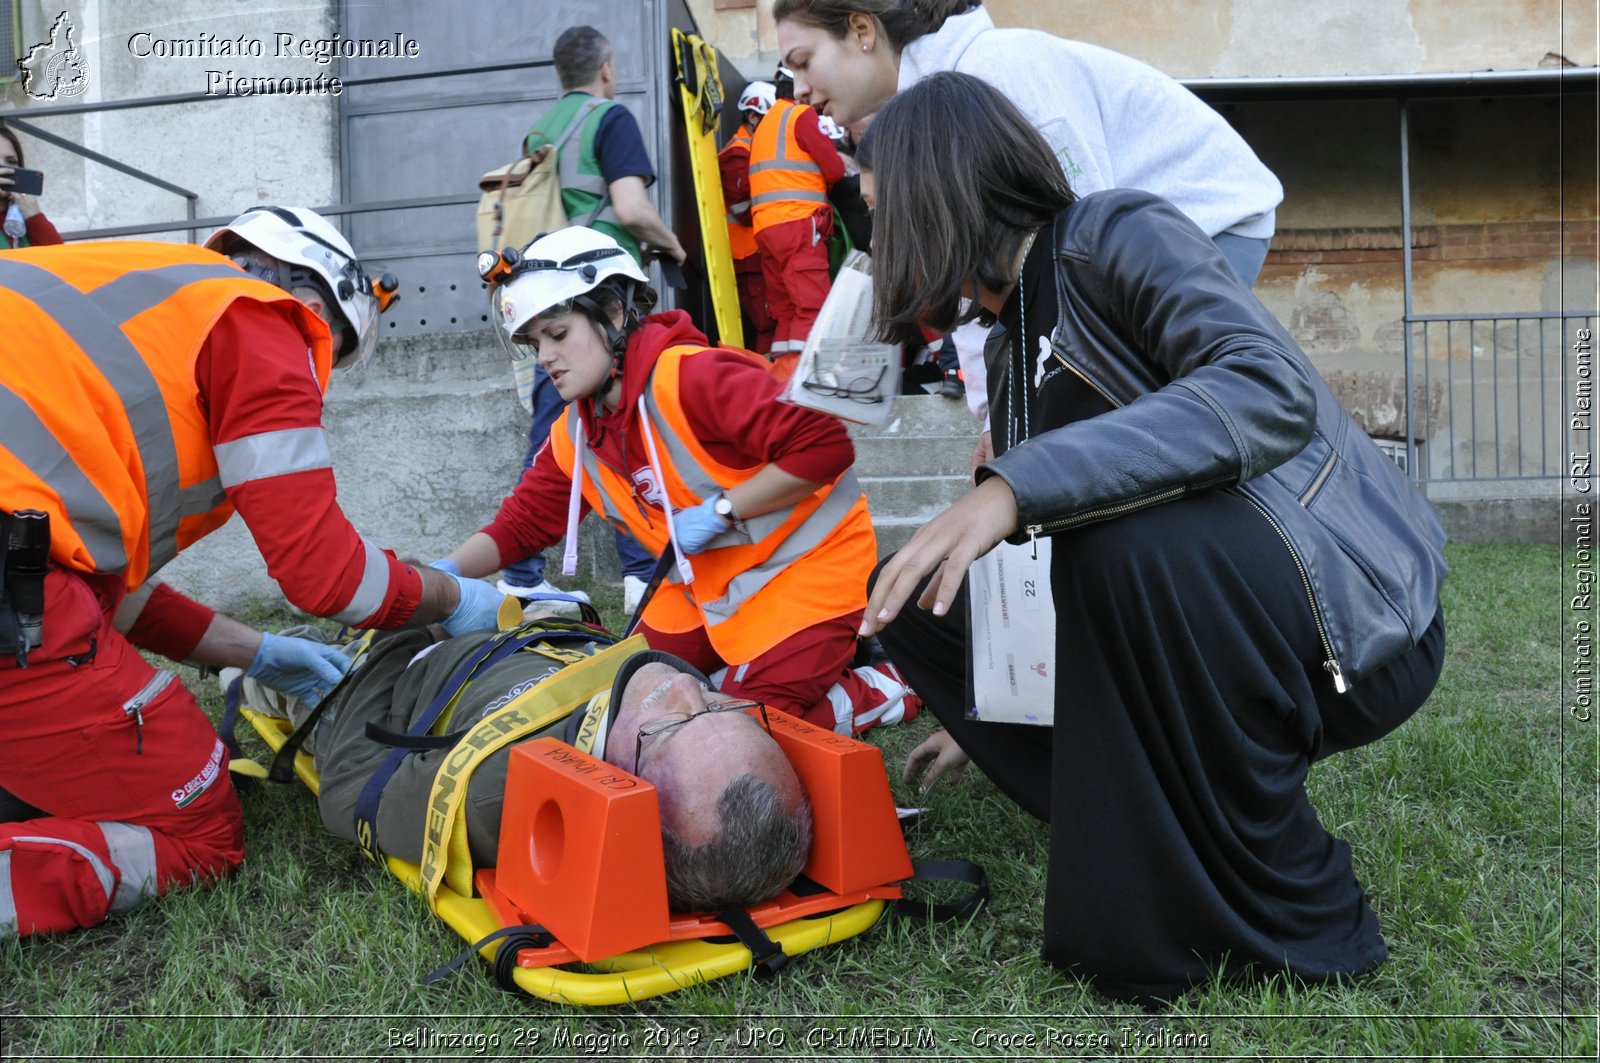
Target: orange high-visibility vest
(789, 569)
(741, 234)
(101, 424)
(785, 181)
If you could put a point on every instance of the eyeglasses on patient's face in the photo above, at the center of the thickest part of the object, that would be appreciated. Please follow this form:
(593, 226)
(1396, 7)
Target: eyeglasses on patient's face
(674, 720)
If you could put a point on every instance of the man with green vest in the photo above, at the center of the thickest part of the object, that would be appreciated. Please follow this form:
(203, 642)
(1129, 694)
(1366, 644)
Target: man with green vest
(604, 164)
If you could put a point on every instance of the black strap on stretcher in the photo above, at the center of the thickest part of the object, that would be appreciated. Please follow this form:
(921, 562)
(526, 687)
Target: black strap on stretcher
(767, 957)
(282, 767)
(944, 871)
(664, 565)
(492, 652)
(516, 938)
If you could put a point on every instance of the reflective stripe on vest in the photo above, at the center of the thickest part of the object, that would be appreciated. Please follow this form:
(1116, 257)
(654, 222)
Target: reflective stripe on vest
(579, 167)
(785, 181)
(93, 517)
(741, 231)
(121, 325)
(740, 139)
(571, 173)
(739, 564)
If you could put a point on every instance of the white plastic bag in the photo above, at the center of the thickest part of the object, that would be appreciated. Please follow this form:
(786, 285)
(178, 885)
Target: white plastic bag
(840, 370)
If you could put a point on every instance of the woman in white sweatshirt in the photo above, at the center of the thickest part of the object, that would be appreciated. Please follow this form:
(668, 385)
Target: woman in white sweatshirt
(1112, 121)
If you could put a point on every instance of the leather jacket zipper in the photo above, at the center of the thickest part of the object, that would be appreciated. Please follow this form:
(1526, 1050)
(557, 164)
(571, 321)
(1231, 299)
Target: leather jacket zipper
(1081, 375)
(1051, 527)
(1331, 663)
(1310, 493)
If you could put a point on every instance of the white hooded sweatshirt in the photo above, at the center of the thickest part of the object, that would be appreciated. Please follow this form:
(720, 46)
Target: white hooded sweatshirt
(1113, 121)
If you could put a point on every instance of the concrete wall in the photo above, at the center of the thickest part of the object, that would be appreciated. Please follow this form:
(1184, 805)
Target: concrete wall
(1234, 38)
(425, 442)
(235, 152)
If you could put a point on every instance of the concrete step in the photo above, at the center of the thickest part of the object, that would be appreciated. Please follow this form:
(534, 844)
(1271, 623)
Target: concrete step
(925, 455)
(912, 497)
(923, 415)
(892, 532)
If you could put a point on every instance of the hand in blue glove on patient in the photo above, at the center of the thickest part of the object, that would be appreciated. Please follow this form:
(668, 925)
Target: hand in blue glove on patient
(697, 526)
(444, 564)
(479, 609)
(300, 668)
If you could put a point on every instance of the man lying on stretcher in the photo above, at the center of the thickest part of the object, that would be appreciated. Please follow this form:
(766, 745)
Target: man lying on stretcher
(735, 822)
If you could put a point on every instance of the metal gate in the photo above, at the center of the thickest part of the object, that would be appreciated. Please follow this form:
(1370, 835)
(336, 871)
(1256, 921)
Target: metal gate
(435, 133)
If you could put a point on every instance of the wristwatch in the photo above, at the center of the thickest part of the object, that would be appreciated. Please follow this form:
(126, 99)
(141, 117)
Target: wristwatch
(723, 507)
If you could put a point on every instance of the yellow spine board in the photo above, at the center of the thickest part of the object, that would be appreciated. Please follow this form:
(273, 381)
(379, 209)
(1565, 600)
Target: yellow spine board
(624, 978)
(641, 973)
(701, 121)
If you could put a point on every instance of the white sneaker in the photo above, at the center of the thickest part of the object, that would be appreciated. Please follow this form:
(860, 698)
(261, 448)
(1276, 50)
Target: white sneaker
(558, 605)
(633, 589)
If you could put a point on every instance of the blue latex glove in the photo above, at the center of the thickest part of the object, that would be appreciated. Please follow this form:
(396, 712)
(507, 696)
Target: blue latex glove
(696, 527)
(298, 667)
(444, 564)
(479, 609)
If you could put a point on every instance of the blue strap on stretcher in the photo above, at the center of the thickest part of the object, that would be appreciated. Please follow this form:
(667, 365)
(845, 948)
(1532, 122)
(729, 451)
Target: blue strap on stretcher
(489, 654)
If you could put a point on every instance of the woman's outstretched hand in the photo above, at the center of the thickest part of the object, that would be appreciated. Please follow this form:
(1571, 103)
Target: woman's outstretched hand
(950, 543)
(938, 755)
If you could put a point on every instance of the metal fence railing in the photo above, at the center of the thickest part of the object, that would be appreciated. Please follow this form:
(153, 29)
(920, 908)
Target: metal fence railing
(1494, 395)
(25, 118)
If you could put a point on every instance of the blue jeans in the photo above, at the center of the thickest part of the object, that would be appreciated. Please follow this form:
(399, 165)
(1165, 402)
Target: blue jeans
(529, 572)
(1244, 253)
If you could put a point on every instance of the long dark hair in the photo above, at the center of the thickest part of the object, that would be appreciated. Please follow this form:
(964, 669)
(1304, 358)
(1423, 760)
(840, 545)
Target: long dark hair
(16, 145)
(960, 179)
(903, 21)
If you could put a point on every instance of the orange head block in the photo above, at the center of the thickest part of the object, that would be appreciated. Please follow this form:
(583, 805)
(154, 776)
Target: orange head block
(857, 842)
(580, 850)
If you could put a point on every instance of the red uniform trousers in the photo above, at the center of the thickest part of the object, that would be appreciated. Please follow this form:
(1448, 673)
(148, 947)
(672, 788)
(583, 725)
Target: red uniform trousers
(807, 675)
(753, 297)
(129, 773)
(794, 260)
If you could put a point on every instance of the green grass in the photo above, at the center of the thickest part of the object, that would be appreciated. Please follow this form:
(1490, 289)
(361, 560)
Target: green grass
(1473, 829)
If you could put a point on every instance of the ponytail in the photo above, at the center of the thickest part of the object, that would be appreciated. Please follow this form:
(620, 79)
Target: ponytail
(903, 21)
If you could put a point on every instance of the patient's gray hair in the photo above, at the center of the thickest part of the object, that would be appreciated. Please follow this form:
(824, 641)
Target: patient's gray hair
(760, 850)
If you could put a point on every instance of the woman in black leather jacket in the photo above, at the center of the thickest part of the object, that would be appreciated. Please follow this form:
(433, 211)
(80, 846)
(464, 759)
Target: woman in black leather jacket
(1242, 583)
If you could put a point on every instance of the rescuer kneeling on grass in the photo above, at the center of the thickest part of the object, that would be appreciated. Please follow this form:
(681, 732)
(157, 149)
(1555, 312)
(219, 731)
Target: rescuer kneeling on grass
(149, 391)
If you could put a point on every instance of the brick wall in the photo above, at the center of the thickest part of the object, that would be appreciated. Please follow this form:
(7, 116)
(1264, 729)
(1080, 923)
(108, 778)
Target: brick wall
(1437, 243)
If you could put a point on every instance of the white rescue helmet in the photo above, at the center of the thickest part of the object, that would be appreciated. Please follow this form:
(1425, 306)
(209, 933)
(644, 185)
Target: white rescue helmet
(758, 96)
(311, 252)
(552, 273)
(829, 127)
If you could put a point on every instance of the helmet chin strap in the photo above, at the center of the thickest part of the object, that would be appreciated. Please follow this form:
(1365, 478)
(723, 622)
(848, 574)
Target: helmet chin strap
(617, 338)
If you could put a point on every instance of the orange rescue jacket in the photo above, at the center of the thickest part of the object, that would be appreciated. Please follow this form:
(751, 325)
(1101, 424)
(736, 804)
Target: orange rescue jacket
(782, 573)
(103, 427)
(735, 155)
(785, 181)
